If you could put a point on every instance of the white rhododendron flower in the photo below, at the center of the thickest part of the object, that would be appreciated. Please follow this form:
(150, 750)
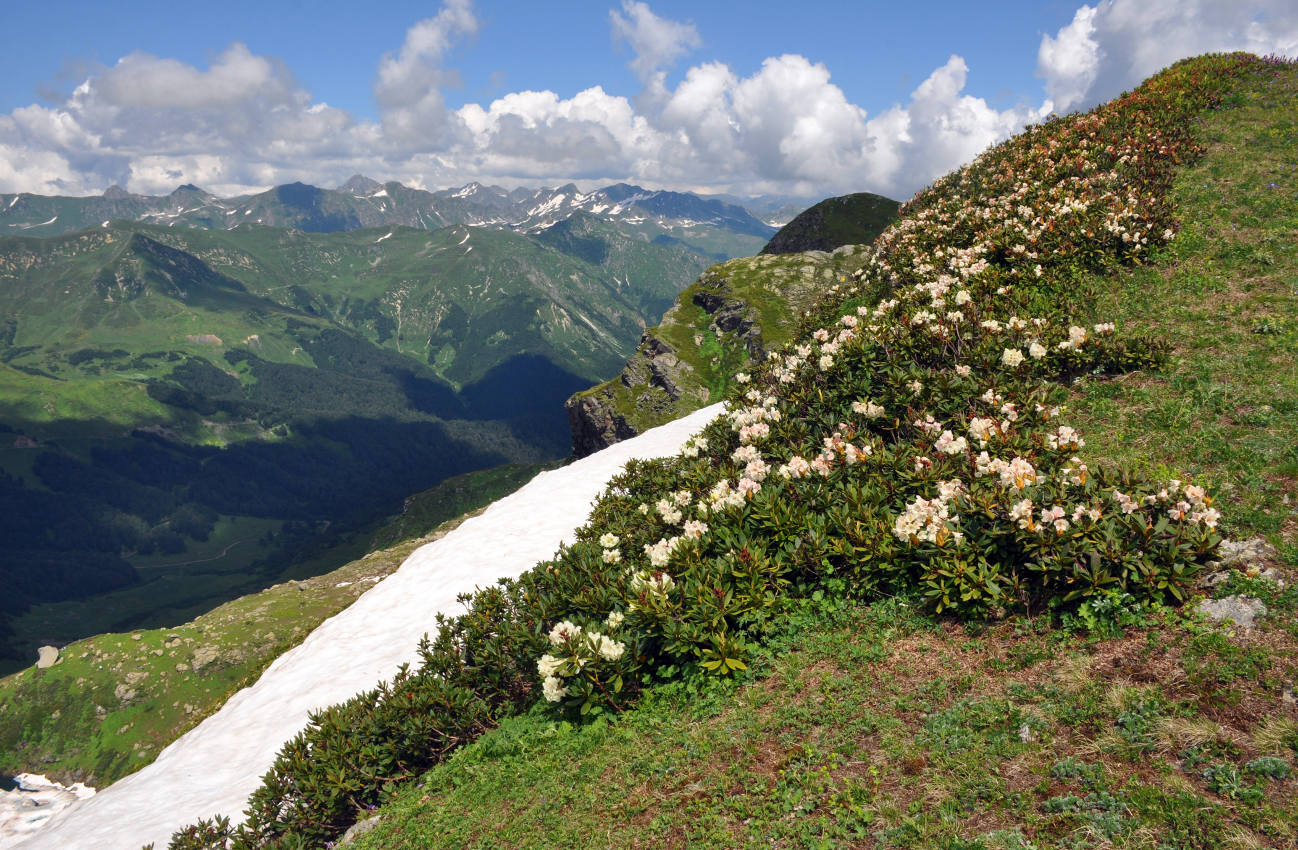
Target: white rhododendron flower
(694, 529)
(564, 631)
(553, 690)
(547, 665)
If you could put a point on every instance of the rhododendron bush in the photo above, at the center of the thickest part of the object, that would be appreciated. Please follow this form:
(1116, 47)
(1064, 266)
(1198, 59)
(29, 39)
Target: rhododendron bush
(911, 441)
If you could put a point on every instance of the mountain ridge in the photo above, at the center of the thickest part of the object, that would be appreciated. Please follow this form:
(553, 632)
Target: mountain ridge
(713, 226)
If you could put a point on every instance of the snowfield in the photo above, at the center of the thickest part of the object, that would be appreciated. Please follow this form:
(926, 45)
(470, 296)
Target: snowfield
(214, 767)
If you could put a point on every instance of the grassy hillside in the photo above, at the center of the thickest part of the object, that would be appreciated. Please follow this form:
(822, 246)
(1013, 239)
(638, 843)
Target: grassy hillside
(967, 624)
(882, 726)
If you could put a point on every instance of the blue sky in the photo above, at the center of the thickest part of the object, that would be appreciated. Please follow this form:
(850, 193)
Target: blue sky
(806, 98)
(876, 51)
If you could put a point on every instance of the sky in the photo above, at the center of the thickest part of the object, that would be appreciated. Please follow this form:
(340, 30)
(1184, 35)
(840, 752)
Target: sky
(810, 99)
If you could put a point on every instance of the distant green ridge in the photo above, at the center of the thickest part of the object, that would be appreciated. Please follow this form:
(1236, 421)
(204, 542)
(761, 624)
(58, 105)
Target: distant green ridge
(846, 220)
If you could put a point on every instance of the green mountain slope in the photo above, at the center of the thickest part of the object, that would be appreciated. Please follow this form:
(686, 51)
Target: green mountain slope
(728, 319)
(846, 220)
(161, 387)
(913, 457)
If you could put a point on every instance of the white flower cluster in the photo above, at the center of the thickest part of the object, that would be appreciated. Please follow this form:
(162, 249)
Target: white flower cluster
(950, 444)
(653, 587)
(868, 409)
(612, 554)
(1017, 473)
(581, 649)
(670, 508)
(694, 446)
(931, 520)
(982, 430)
(723, 496)
(1194, 504)
(661, 552)
(797, 467)
(1065, 439)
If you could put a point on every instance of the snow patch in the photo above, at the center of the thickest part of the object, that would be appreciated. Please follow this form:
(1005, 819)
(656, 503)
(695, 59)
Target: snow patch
(212, 768)
(382, 193)
(33, 803)
(381, 238)
(549, 206)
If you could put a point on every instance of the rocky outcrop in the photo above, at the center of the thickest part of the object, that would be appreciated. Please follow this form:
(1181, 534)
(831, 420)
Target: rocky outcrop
(657, 378)
(595, 423)
(728, 319)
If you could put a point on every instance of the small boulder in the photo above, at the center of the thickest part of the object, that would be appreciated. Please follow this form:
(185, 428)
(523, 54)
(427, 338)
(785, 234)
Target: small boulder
(204, 656)
(1242, 610)
(46, 656)
(358, 829)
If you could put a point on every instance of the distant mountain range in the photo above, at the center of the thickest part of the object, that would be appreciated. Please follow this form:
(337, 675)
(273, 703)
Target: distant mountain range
(165, 385)
(719, 229)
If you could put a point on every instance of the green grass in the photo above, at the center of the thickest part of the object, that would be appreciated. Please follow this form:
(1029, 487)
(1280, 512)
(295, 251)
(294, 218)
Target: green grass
(879, 726)
(1224, 295)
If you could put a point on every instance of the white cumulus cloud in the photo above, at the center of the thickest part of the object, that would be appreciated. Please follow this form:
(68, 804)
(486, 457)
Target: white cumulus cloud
(1115, 44)
(657, 42)
(410, 81)
(244, 123)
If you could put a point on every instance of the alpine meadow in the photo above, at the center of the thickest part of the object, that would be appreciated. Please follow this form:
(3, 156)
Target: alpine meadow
(994, 545)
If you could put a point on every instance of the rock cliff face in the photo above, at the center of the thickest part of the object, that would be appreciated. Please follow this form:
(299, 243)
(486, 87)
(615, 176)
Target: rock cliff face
(731, 317)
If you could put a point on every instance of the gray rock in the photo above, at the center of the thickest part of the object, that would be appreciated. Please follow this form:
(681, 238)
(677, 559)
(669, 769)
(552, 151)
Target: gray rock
(204, 656)
(1248, 556)
(46, 656)
(1245, 554)
(1242, 610)
(358, 829)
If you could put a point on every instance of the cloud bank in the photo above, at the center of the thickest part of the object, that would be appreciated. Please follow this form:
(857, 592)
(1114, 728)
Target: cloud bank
(1113, 45)
(150, 123)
